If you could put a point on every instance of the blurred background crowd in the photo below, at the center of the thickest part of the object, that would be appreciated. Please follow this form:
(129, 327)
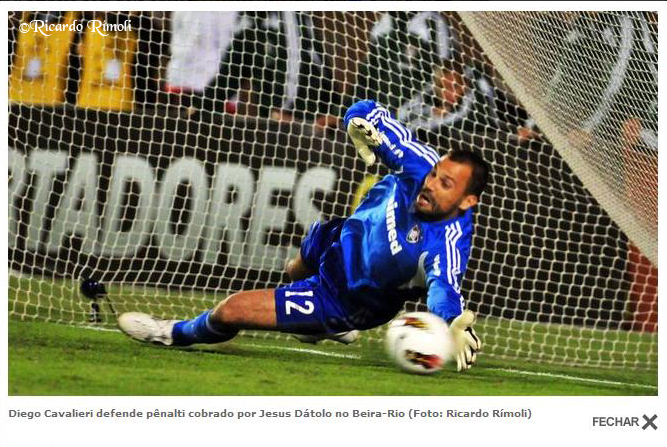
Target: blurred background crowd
(286, 66)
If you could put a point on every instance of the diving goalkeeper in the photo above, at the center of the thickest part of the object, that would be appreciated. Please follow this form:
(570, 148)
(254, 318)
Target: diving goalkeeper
(412, 233)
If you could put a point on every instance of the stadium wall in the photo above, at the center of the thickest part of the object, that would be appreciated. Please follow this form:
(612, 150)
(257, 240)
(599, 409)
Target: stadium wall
(148, 199)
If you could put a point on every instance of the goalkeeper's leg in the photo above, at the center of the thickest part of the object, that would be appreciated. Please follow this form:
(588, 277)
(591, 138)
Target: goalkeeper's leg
(321, 236)
(253, 309)
(303, 307)
(297, 269)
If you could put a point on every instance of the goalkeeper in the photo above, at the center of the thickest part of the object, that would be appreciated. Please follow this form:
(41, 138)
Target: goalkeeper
(412, 233)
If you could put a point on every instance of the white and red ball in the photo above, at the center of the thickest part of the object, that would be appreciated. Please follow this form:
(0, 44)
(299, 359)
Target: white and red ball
(419, 342)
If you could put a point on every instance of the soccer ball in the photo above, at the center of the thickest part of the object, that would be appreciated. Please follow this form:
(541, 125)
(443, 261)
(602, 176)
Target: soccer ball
(419, 342)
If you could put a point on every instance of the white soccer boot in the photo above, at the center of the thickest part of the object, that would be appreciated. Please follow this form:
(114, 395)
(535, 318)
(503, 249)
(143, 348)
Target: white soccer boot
(144, 327)
(342, 337)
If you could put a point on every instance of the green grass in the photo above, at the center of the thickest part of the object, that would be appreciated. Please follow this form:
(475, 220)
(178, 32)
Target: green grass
(58, 359)
(54, 359)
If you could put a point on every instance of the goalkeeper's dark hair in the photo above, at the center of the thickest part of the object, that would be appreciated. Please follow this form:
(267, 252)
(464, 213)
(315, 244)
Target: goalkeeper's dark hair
(480, 169)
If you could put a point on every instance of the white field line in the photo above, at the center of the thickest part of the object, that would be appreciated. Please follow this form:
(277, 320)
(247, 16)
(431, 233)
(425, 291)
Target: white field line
(567, 377)
(252, 345)
(357, 357)
(93, 328)
(309, 351)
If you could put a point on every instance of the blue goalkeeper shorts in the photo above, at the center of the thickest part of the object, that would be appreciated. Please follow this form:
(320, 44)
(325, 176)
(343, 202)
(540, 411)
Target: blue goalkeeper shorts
(323, 303)
(320, 237)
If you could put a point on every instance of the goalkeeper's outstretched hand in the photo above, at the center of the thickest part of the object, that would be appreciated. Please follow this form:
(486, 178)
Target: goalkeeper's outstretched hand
(466, 342)
(365, 137)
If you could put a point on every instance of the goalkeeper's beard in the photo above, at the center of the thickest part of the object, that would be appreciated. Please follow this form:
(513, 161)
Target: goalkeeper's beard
(427, 208)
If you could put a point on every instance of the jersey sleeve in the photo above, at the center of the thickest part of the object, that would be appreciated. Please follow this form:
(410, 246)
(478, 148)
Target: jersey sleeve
(444, 272)
(399, 150)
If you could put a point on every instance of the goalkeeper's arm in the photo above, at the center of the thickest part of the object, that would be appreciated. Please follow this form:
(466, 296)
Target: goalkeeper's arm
(373, 131)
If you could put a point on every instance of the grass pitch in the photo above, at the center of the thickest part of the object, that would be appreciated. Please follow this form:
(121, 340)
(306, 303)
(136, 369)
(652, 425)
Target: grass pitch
(54, 359)
(59, 359)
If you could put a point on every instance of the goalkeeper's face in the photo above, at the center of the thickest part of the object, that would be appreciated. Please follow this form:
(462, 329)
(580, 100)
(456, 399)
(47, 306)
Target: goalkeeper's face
(444, 192)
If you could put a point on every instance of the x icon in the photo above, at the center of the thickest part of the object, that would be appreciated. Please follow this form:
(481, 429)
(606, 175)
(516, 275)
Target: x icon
(649, 422)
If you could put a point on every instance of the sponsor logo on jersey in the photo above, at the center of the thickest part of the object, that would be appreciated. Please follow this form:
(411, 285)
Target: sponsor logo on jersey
(394, 246)
(414, 234)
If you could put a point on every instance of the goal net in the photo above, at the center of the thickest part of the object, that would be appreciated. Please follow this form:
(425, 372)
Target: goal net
(179, 157)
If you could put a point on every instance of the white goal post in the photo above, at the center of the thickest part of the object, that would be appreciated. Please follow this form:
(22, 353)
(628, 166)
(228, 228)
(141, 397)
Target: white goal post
(181, 156)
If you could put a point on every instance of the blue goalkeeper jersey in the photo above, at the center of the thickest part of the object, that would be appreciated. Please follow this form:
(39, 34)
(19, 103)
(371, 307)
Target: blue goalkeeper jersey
(385, 244)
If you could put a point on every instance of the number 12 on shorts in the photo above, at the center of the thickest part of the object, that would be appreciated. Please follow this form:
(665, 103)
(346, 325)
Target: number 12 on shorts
(307, 308)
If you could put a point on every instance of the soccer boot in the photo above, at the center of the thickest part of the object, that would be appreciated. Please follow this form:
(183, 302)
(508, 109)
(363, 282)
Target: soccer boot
(144, 327)
(342, 337)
